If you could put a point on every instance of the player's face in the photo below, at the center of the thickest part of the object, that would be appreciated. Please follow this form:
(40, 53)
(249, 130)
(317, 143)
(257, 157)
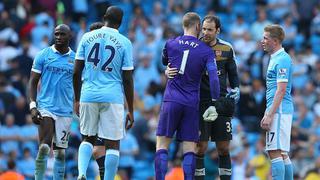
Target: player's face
(61, 36)
(267, 42)
(209, 31)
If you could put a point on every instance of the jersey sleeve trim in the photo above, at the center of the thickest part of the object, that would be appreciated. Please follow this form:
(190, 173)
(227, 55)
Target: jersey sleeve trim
(36, 71)
(81, 58)
(282, 80)
(127, 68)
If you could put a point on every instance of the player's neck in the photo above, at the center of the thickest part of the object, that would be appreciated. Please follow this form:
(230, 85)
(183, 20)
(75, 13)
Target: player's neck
(111, 25)
(61, 49)
(275, 49)
(190, 33)
(213, 42)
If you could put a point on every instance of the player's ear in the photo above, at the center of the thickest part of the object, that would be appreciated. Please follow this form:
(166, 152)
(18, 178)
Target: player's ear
(218, 30)
(198, 27)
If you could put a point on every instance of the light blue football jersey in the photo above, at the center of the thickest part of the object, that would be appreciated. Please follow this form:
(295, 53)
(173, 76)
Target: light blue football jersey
(280, 70)
(56, 91)
(106, 53)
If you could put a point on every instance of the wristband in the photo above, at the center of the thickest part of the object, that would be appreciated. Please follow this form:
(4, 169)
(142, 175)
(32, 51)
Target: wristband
(32, 105)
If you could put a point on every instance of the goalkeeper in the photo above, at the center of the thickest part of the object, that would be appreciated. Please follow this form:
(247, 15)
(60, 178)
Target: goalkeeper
(217, 129)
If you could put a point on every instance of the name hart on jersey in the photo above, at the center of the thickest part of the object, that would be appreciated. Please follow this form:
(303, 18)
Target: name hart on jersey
(192, 44)
(102, 36)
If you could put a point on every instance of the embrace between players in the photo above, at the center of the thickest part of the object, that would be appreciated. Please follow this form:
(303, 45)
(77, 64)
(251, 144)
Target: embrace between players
(193, 63)
(196, 68)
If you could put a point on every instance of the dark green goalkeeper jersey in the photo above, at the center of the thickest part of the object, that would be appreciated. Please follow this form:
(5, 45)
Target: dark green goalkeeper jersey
(225, 58)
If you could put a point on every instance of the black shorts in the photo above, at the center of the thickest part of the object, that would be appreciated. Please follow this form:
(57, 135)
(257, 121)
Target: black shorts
(99, 142)
(219, 130)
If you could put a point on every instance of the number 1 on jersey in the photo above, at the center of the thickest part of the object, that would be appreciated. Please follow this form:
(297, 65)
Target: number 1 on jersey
(184, 61)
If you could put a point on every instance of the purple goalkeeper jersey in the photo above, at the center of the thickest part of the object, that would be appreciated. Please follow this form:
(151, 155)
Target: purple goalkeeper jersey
(191, 57)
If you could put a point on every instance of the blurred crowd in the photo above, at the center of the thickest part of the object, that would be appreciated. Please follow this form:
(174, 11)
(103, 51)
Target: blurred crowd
(26, 27)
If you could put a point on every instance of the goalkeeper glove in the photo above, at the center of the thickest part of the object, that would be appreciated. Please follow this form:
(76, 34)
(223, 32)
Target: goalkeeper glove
(234, 94)
(210, 114)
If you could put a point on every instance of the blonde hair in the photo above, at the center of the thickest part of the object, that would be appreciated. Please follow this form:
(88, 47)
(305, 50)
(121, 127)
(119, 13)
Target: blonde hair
(190, 19)
(276, 32)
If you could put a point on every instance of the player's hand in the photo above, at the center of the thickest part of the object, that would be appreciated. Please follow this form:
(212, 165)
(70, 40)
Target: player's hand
(76, 106)
(266, 121)
(234, 94)
(171, 72)
(36, 116)
(210, 114)
(129, 121)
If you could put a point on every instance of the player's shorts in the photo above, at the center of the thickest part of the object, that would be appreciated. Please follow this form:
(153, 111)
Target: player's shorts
(279, 135)
(62, 128)
(99, 142)
(103, 119)
(180, 119)
(218, 130)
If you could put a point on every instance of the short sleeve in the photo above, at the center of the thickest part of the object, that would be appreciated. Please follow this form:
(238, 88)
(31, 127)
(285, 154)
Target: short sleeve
(283, 70)
(38, 62)
(127, 58)
(80, 51)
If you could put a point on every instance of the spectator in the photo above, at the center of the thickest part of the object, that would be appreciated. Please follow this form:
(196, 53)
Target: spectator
(9, 135)
(11, 173)
(26, 165)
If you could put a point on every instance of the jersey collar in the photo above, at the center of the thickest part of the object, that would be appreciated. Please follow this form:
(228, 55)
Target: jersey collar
(56, 51)
(277, 52)
(110, 29)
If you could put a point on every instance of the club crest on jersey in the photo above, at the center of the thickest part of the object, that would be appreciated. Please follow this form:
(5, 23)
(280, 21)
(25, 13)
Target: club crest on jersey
(218, 53)
(282, 71)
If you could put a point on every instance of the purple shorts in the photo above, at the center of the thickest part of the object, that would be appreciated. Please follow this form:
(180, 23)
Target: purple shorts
(179, 118)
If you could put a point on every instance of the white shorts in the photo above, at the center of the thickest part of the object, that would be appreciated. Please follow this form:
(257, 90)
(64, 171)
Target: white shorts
(62, 128)
(103, 119)
(279, 135)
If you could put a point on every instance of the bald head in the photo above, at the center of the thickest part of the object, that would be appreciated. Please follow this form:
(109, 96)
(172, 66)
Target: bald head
(113, 16)
(63, 27)
(62, 35)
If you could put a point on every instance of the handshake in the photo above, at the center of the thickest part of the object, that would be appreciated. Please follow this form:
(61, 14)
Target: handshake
(224, 106)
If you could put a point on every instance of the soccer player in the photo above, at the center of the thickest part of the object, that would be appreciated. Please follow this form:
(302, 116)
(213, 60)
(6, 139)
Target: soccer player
(99, 150)
(52, 108)
(106, 58)
(220, 130)
(179, 112)
(277, 119)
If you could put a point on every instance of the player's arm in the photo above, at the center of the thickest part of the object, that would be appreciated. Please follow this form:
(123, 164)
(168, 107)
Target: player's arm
(280, 92)
(231, 69)
(211, 113)
(165, 58)
(127, 71)
(128, 91)
(213, 77)
(33, 87)
(33, 84)
(169, 72)
(77, 72)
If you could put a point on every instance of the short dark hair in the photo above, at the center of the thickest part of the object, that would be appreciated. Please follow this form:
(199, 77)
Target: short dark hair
(11, 164)
(213, 18)
(113, 16)
(96, 25)
(190, 19)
